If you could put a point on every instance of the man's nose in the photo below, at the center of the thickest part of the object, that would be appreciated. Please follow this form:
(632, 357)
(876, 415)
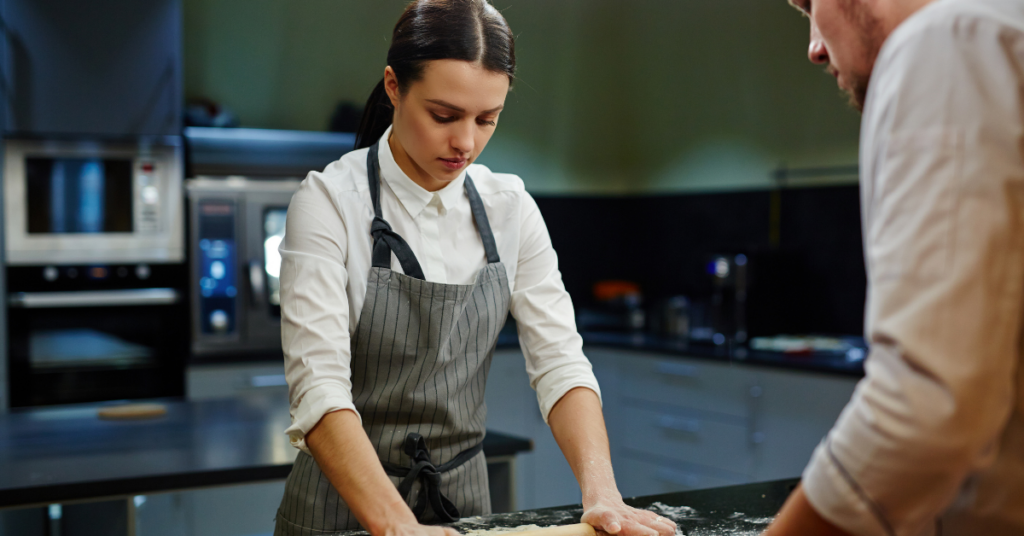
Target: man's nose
(817, 52)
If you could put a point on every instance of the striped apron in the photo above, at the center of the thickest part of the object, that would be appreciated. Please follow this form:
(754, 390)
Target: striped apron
(420, 356)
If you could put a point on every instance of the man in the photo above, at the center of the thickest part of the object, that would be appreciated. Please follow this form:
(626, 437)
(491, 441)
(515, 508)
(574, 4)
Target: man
(932, 441)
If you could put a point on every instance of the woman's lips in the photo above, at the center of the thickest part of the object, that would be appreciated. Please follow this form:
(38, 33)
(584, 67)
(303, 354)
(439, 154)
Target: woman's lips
(453, 163)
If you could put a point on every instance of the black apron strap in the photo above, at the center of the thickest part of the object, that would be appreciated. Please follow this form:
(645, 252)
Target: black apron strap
(421, 468)
(384, 239)
(483, 225)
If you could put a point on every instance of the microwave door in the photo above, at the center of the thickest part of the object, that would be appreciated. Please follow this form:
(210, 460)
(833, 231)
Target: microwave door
(265, 227)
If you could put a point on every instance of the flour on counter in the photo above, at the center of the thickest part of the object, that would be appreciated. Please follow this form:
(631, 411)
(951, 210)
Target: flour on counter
(673, 512)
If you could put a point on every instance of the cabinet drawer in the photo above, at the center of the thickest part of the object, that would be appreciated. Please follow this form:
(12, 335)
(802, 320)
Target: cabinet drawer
(689, 439)
(636, 478)
(704, 386)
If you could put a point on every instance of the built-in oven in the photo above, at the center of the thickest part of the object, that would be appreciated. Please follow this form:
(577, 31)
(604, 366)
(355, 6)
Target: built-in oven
(96, 279)
(235, 228)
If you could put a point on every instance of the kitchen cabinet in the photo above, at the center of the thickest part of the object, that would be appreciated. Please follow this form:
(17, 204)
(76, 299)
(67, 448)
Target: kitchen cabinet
(674, 423)
(100, 69)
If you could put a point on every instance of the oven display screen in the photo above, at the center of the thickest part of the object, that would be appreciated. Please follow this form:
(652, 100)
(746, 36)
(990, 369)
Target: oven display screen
(79, 195)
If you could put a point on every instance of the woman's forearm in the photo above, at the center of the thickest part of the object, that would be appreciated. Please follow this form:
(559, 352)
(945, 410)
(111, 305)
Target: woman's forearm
(344, 453)
(578, 426)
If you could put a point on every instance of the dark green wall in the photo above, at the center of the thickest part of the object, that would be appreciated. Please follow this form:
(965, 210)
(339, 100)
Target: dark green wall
(612, 96)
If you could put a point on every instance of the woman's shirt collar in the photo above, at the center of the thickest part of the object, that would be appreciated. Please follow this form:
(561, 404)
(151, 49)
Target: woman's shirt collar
(413, 196)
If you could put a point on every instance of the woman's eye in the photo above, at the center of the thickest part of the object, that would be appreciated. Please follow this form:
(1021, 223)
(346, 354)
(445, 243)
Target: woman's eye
(443, 118)
(487, 122)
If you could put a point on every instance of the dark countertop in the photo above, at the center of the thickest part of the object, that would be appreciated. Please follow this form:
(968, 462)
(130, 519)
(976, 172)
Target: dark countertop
(735, 510)
(57, 454)
(830, 363)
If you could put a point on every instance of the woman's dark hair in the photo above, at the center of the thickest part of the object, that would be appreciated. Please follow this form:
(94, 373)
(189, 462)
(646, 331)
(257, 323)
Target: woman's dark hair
(468, 30)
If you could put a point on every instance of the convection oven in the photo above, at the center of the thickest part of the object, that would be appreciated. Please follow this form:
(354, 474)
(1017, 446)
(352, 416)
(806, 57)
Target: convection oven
(236, 226)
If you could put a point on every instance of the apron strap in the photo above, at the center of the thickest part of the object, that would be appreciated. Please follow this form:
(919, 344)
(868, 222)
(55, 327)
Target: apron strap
(386, 240)
(483, 225)
(421, 468)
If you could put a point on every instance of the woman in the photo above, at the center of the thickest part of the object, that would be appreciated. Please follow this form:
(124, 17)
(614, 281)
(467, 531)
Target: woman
(400, 264)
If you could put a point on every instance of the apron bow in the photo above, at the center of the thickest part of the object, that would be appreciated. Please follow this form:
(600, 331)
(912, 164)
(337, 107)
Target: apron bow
(422, 469)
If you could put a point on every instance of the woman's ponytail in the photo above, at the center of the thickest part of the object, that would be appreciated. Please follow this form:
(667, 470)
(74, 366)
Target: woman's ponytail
(377, 116)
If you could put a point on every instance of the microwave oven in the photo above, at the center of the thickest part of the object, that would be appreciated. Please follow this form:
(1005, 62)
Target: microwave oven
(235, 228)
(92, 202)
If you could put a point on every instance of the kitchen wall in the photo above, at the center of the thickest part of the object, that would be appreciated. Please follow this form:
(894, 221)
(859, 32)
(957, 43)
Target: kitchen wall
(646, 96)
(804, 244)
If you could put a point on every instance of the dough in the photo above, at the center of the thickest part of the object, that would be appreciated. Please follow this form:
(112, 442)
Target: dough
(501, 530)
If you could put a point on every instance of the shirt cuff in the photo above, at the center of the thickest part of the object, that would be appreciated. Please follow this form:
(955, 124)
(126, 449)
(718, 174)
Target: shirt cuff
(316, 403)
(552, 386)
(836, 497)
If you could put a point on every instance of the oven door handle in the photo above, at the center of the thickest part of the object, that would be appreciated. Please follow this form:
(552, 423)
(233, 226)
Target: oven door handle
(94, 298)
(257, 284)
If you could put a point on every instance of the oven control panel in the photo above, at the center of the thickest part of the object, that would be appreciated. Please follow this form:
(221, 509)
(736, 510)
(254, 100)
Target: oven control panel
(217, 255)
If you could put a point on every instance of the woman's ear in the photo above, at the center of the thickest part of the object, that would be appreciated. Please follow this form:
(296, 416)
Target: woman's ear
(391, 85)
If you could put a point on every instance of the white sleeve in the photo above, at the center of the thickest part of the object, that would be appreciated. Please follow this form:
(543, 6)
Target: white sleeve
(544, 316)
(314, 310)
(945, 249)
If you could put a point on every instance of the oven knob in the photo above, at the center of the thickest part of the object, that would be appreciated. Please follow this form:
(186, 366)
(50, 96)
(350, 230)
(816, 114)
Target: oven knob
(142, 271)
(219, 321)
(50, 273)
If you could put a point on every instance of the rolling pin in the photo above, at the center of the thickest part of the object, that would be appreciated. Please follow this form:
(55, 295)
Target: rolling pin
(580, 529)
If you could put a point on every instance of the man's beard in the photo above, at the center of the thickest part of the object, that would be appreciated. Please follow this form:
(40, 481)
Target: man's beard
(869, 27)
(857, 93)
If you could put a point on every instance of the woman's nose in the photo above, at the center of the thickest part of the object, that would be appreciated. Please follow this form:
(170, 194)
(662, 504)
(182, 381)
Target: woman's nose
(462, 139)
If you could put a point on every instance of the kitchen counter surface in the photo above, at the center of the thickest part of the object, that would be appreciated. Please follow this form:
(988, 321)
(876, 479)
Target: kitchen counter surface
(735, 510)
(830, 363)
(67, 453)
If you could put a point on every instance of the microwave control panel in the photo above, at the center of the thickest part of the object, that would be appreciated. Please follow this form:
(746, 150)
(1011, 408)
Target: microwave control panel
(147, 196)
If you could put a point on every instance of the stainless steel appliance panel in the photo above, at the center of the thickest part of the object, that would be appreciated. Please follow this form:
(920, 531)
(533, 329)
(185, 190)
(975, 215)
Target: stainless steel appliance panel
(93, 203)
(236, 226)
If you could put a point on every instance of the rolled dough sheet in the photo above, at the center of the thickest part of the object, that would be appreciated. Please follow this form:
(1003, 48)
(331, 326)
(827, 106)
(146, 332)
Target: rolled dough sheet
(501, 530)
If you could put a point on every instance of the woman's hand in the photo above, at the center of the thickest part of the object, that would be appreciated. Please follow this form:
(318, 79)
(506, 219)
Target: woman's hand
(578, 426)
(415, 529)
(614, 517)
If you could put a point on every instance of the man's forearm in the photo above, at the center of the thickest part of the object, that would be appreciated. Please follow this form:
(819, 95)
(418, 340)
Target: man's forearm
(799, 518)
(578, 426)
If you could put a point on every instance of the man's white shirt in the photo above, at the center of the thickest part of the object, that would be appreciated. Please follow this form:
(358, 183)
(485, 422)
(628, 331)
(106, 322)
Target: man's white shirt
(933, 439)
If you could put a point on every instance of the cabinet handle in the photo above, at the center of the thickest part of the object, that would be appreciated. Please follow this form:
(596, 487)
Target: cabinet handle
(668, 422)
(94, 298)
(671, 476)
(681, 370)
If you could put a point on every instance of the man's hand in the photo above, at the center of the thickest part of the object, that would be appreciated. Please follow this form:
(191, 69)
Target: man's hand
(615, 517)
(798, 518)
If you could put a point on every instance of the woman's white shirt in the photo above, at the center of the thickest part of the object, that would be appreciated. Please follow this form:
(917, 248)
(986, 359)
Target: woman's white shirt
(326, 260)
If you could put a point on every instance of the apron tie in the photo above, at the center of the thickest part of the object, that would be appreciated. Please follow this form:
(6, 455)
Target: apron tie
(422, 469)
(385, 240)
